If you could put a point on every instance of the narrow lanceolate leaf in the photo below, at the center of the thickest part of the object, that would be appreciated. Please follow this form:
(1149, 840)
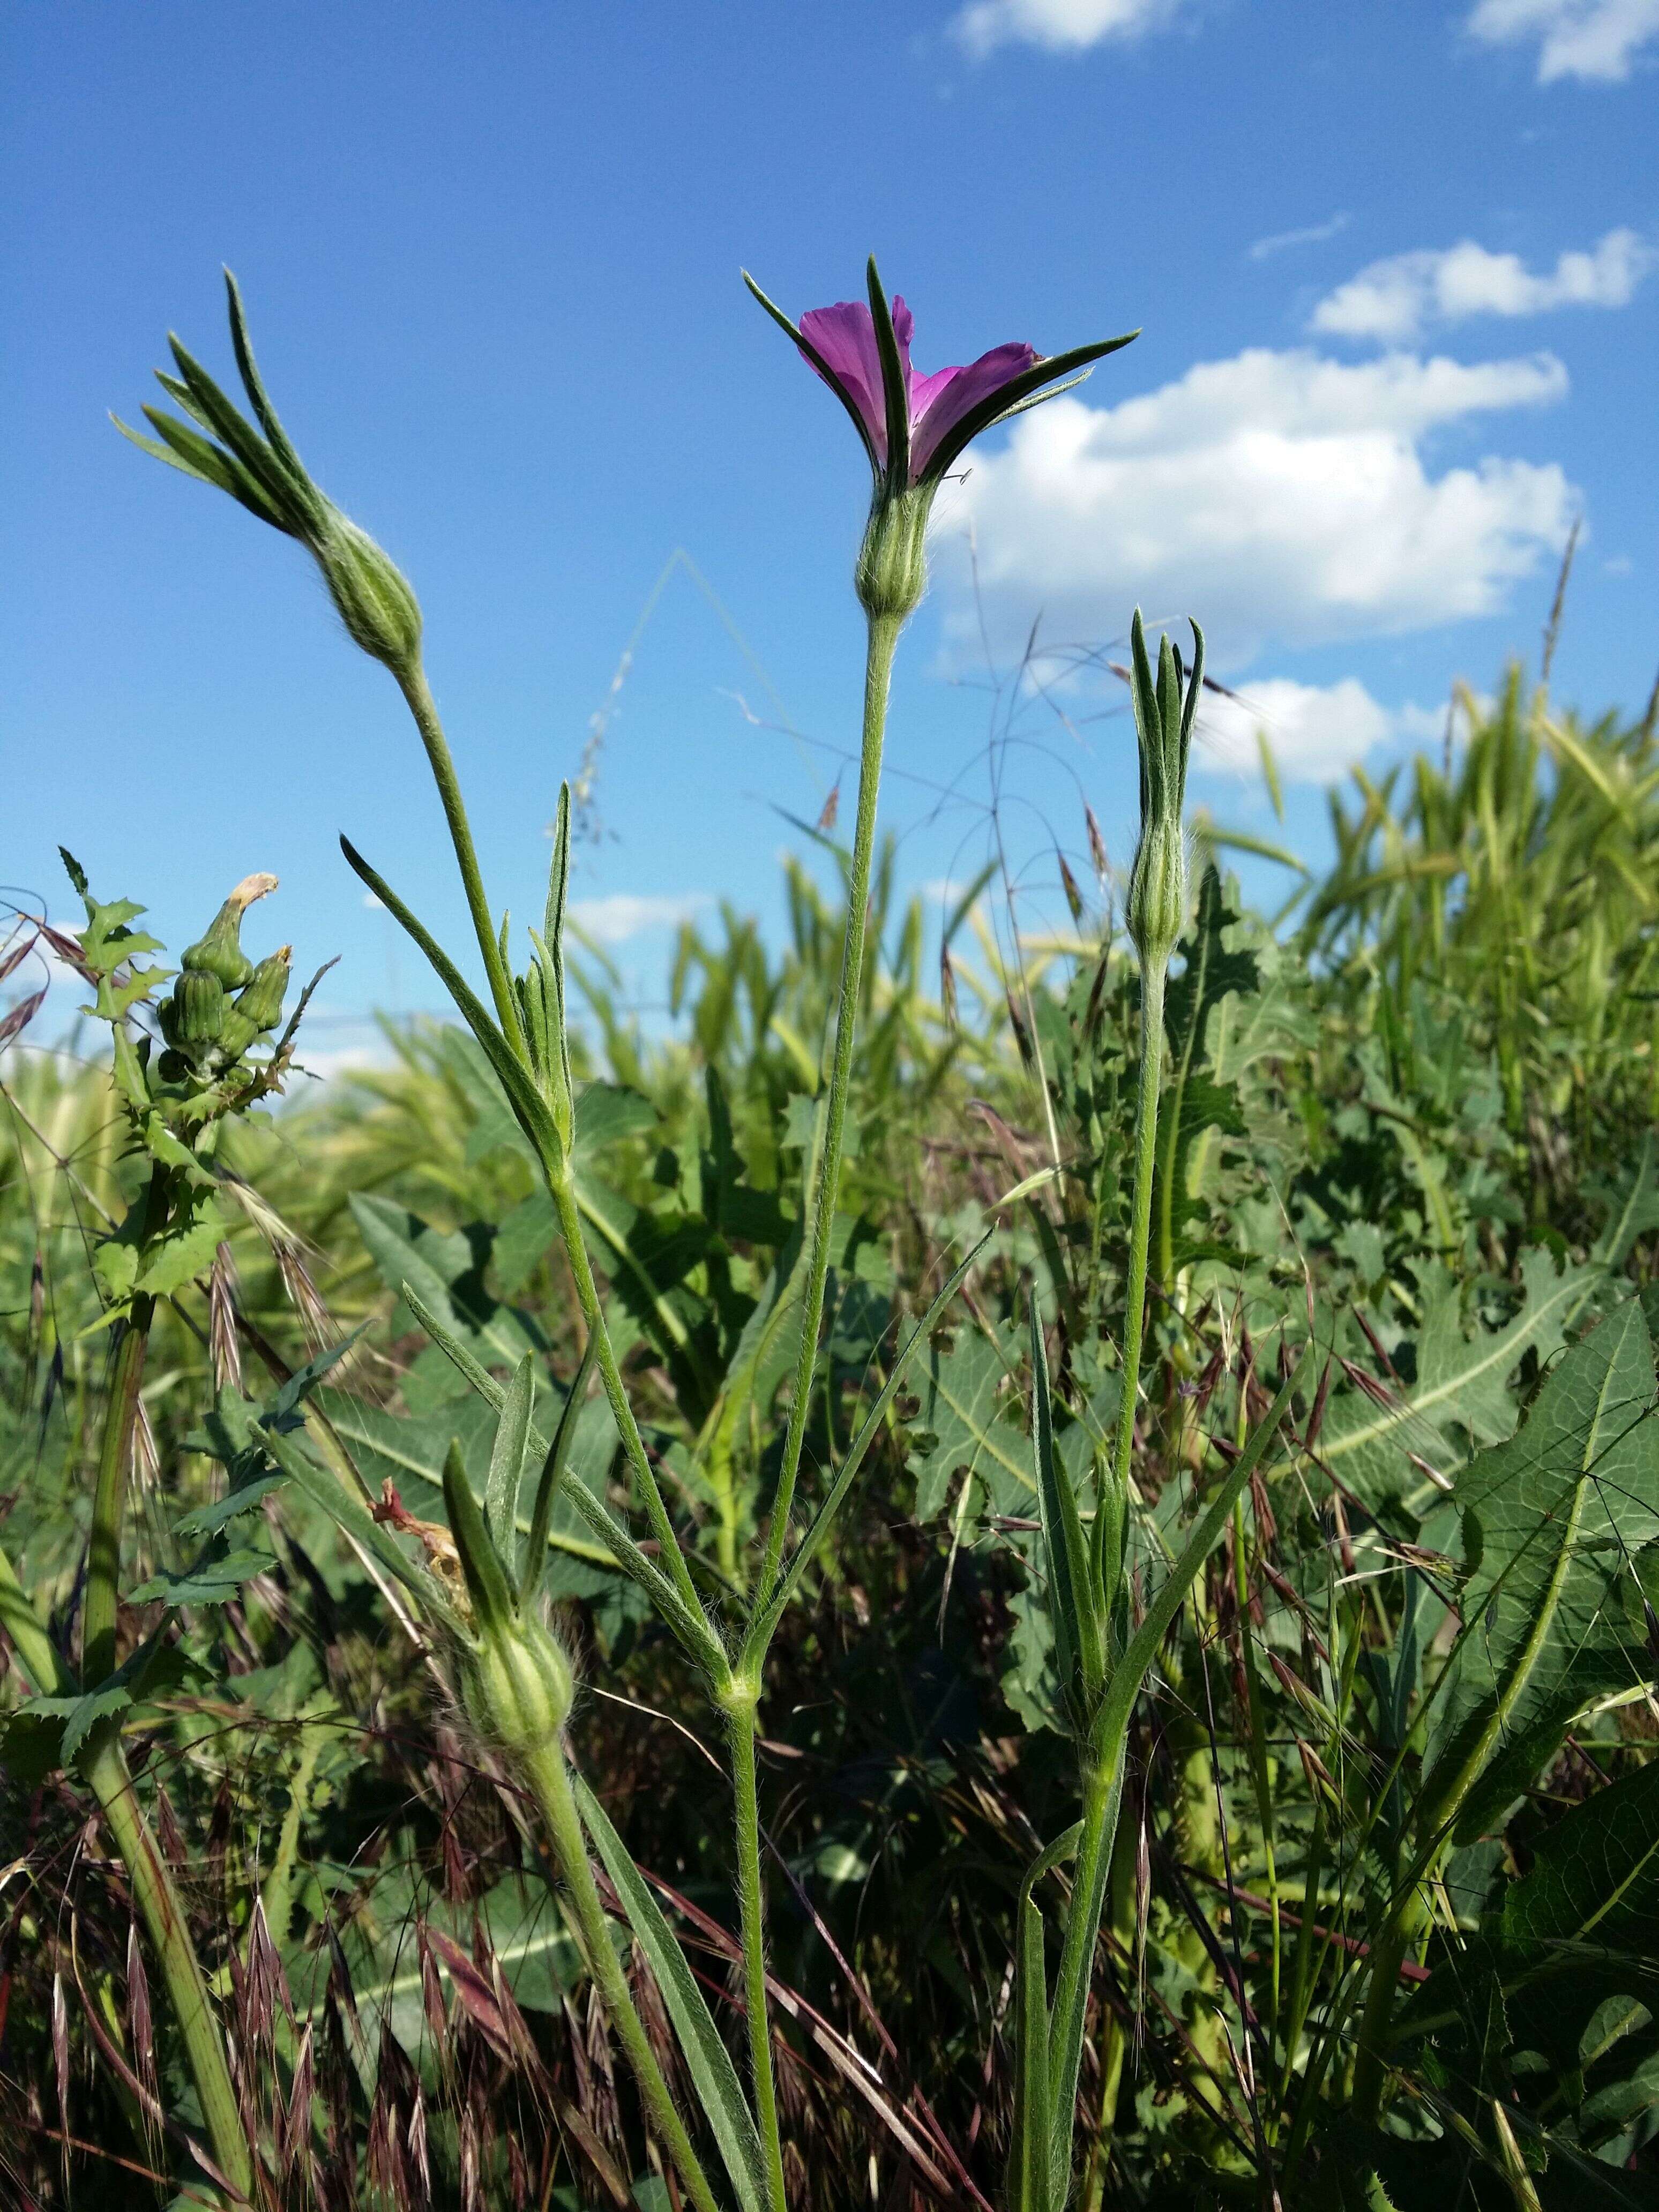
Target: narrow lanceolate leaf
(1029, 2179)
(707, 2058)
(1551, 1521)
(507, 1459)
(1079, 1644)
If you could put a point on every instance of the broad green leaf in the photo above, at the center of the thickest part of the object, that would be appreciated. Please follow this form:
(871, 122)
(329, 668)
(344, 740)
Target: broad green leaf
(445, 1269)
(968, 1415)
(1461, 1387)
(1551, 1521)
(1595, 1874)
(707, 2058)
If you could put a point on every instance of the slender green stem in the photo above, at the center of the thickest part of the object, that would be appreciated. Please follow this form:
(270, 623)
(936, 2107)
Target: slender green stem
(103, 1763)
(102, 1599)
(1153, 975)
(587, 1297)
(1398, 1935)
(1103, 1794)
(877, 675)
(418, 694)
(752, 1904)
(546, 1772)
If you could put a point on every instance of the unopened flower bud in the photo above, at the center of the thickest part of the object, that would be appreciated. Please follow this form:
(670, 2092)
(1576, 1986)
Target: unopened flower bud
(261, 1001)
(520, 1685)
(1164, 725)
(375, 603)
(219, 953)
(199, 1002)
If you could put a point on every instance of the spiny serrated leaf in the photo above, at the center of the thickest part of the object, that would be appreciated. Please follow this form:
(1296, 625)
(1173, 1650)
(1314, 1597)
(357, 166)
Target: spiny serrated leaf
(1551, 1519)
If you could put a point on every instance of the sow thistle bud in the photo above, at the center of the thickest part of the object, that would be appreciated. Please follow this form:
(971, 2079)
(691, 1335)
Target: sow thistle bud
(198, 1004)
(259, 468)
(219, 953)
(1164, 724)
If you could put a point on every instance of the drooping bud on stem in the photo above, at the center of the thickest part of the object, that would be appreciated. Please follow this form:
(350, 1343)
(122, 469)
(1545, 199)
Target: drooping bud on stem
(259, 468)
(1164, 725)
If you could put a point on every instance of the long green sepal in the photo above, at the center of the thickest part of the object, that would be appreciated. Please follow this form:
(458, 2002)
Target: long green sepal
(506, 1458)
(707, 2058)
(554, 1463)
(486, 1577)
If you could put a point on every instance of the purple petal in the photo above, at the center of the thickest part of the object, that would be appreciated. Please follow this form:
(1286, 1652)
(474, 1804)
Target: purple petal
(939, 402)
(845, 336)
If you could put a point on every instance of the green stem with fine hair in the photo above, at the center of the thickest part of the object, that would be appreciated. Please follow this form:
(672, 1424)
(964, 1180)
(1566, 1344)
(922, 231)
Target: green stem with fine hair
(103, 1763)
(545, 1770)
(418, 694)
(884, 632)
(1153, 973)
(740, 1719)
(878, 678)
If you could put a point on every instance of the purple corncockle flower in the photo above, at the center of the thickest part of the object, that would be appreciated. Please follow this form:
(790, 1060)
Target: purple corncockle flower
(843, 349)
(914, 427)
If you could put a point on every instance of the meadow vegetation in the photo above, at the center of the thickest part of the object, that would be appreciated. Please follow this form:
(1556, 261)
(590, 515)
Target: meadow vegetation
(1231, 1791)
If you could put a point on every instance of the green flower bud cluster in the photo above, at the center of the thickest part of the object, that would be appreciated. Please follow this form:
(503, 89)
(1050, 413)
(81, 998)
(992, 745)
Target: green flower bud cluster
(221, 1003)
(1164, 724)
(259, 468)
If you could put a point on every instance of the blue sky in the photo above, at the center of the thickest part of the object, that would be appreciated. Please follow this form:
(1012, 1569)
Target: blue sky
(1395, 267)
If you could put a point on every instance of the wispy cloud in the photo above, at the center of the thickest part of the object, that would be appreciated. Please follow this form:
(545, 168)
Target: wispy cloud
(1315, 234)
(1394, 300)
(620, 916)
(1061, 27)
(1592, 41)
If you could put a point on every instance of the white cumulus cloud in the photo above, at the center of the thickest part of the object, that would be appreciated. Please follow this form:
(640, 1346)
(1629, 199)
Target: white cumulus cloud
(1061, 26)
(1278, 496)
(1393, 299)
(1593, 40)
(620, 916)
(1316, 731)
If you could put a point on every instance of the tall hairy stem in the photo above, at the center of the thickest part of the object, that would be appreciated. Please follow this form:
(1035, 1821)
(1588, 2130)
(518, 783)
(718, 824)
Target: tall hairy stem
(417, 693)
(103, 1762)
(1152, 977)
(883, 634)
(752, 1911)
(877, 676)
(546, 1772)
